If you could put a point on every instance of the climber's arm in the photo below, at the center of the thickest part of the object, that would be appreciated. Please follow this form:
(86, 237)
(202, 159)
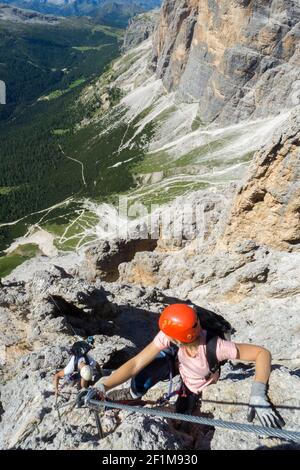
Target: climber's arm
(58, 375)
(259, 404)
(132, 367)
(260, 356)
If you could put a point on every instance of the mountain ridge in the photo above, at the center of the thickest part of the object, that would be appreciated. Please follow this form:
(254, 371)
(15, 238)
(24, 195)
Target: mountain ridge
(115, 12)
(14, 14)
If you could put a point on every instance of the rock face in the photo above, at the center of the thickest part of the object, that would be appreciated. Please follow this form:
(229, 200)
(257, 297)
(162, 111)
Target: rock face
(267, 208)
(103, 259)
(238, 59)
(140, 28)
(37, 342)
(246, 264)
(37, 334)
(39, 322)
(249, 277)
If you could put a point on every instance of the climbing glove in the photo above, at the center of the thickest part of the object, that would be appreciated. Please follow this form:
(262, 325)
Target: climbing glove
(260, 405)
(100, 391)
(81, 397)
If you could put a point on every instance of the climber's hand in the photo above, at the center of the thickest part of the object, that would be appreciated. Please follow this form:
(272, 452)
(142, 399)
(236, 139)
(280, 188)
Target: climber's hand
(80, 399)
(260, 405)
(100, 391)
(92, 393)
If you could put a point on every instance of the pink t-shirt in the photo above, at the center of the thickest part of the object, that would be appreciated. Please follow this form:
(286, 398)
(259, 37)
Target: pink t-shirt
(193, 370)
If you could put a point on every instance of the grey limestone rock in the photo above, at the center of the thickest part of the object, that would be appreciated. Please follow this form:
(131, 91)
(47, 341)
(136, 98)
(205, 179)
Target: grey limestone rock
(140, 28)
(239, 60)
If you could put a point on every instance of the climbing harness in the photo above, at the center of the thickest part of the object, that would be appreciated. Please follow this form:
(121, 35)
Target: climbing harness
(167, 396)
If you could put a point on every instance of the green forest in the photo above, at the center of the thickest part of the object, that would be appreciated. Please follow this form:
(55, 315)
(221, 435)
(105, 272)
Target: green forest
(40, 137)
(45, 69)
(38, 59)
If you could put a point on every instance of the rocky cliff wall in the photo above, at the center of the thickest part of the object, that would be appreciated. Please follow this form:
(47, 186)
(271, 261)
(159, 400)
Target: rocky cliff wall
(237, 58)
(267, 207)
(140, 28)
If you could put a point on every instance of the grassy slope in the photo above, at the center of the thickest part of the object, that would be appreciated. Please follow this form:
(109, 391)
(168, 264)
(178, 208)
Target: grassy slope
(35, 174)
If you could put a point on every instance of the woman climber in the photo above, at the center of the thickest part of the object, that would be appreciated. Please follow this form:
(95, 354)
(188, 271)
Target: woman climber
(183, 347)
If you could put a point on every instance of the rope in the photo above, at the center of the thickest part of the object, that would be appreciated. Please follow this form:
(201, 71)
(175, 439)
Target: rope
(293, 436)
(66, 428)
(64, 405)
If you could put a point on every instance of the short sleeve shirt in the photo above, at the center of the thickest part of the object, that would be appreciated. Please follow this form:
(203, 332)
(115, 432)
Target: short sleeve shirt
(193, 370)
(70, 367)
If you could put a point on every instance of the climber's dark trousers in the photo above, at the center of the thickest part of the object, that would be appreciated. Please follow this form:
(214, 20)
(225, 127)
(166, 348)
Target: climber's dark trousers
(187, 401)
(163, 366)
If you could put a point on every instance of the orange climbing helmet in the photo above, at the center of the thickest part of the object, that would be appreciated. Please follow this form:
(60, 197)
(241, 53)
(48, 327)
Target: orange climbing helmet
(179, 321)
